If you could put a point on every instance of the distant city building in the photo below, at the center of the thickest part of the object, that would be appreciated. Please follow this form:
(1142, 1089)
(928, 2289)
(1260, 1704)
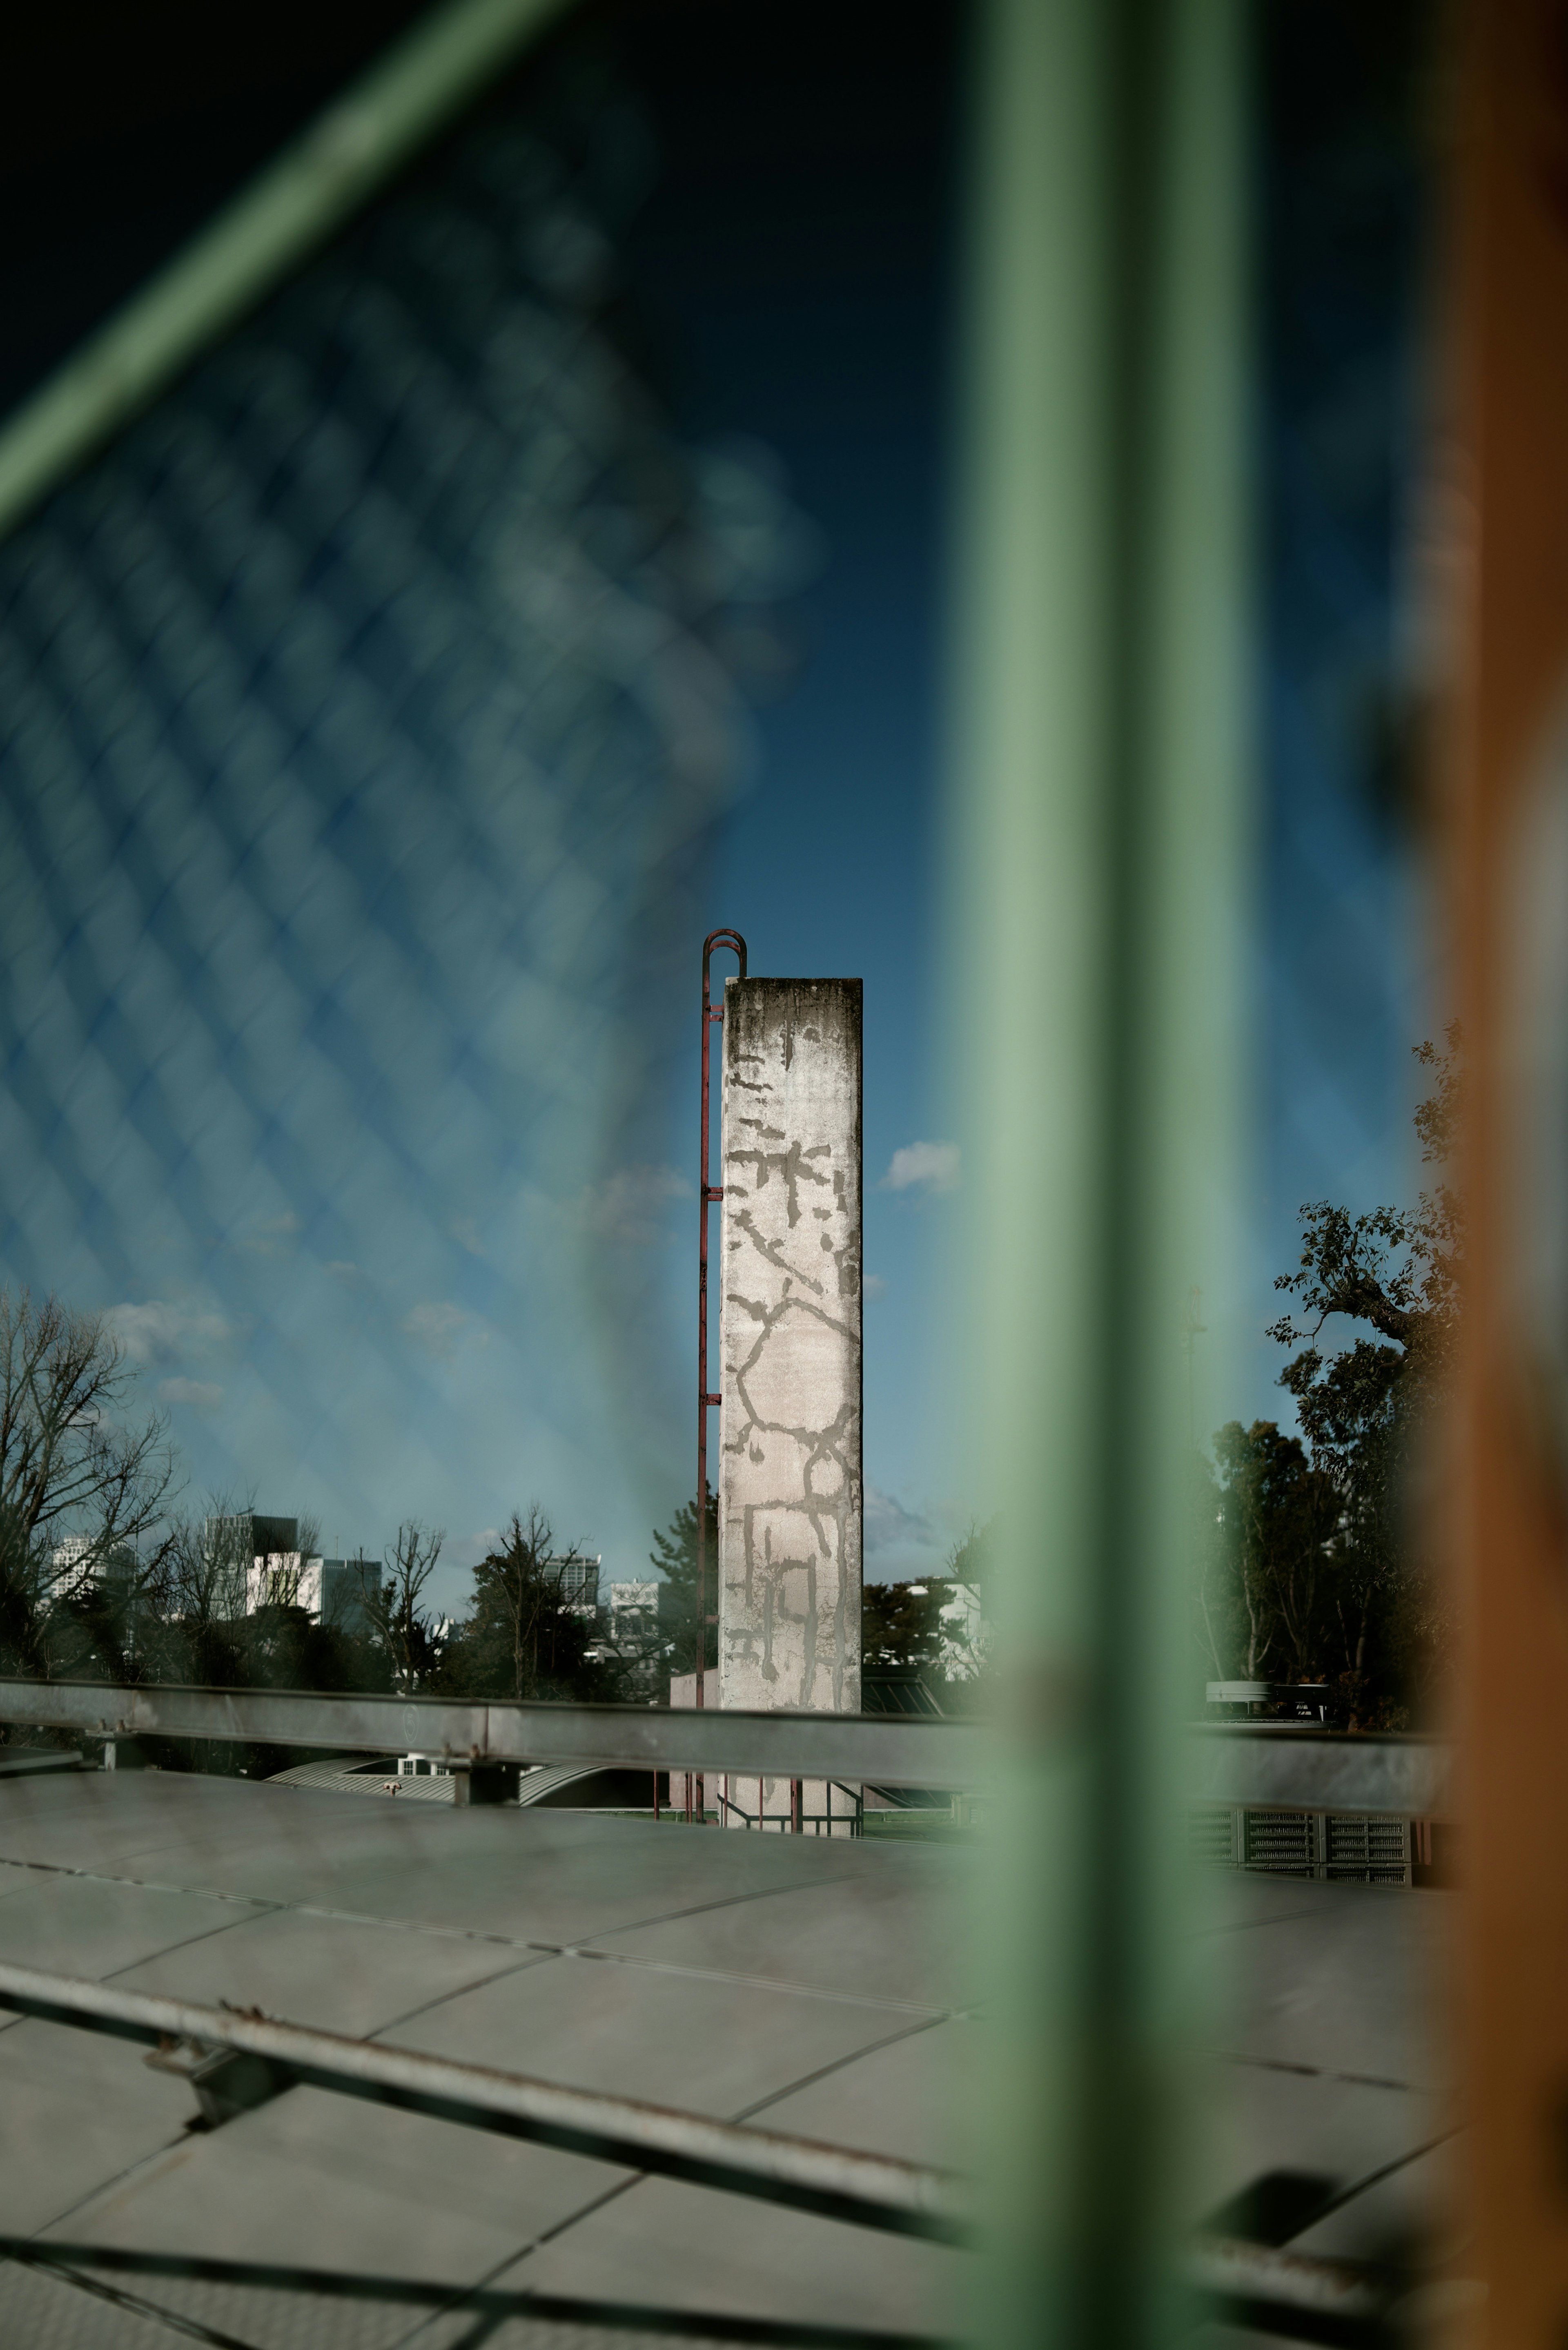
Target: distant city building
(633, 1608)
(248, 1535)
(579, 1580)
(79, 1561)
(331, 1590)
(966, 1635)
(278, 1573)
(629, 1637)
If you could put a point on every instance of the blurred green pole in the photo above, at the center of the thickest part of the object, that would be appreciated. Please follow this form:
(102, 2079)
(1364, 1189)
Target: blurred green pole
(1099, 863)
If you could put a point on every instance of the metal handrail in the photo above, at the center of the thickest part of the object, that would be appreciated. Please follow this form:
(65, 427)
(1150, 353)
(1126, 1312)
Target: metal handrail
(1257, 1763)
(871, 2190)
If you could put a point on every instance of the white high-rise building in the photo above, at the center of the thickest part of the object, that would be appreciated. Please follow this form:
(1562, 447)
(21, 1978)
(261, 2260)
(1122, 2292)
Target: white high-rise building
(333, 1591)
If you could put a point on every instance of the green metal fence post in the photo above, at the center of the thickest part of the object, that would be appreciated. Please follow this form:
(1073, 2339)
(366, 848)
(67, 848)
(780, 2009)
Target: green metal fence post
(1098, 853)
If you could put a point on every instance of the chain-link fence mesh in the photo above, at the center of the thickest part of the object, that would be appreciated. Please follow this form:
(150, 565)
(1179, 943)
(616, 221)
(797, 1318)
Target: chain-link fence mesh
(365, 713)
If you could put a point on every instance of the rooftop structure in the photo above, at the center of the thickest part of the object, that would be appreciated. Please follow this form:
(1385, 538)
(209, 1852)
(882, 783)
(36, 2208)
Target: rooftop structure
(828, 1989)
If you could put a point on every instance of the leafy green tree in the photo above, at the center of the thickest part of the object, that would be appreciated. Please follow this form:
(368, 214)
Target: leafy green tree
(674, 1559)
(1264, 1584)
(1315, 1570)
(901, 1628)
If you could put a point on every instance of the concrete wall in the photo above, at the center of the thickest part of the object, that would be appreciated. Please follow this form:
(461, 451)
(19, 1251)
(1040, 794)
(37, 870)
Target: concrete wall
(789, 1351)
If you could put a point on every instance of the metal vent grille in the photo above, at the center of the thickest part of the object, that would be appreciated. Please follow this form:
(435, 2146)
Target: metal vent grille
(1211, 1835)
(1281, 1842)
(1374, 1851)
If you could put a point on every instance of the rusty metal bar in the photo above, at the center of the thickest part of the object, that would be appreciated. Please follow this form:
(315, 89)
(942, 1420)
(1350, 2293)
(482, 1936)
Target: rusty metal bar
(836, 2182)
(1299, 2295)
(705, 1192)
(1495, 547)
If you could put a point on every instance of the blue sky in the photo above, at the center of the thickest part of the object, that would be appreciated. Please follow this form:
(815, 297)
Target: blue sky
(362, 1088)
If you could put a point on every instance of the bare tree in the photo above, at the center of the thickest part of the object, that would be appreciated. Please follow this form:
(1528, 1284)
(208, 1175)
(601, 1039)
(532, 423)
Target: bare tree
(80, 1486)
(391, 1605)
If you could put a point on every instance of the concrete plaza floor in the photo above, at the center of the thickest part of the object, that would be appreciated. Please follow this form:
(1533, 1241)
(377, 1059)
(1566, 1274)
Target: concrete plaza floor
(828, 1989)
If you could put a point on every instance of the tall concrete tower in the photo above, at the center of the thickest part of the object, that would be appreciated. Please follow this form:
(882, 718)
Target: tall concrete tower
(789, 1336)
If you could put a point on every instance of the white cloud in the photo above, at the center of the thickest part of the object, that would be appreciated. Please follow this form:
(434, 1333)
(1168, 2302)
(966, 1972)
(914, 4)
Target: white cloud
(630, 1205)
(159, 1331)
(270, 1235)
(341, 1269)
(465, 1232)
(199, 1392)
(872, 1285)
(437, 1327)
(889, 1525)
(929, 1166)
(468, 1549)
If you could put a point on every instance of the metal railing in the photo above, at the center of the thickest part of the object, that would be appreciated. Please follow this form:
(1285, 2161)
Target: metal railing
(888, 1749)
(836, 2182)
(1251, 1765)
(799, 1820)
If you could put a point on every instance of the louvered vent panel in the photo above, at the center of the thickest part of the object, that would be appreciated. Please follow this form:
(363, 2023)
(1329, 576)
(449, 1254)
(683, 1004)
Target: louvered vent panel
(1279, 1842)
(1211, 1835)
(1374, 1851)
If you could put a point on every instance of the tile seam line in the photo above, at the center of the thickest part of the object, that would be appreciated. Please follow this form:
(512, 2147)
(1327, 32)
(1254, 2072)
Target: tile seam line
(1385, 2170)
(1249, 1924)
(1315, 2071)
(168, 2321)
(265, 1905)
(186, 1942)
(640, 2178)
(464, 2294)
(405, 1925)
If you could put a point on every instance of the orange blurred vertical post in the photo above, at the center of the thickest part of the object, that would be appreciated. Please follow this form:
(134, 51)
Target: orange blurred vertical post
(1510, 505)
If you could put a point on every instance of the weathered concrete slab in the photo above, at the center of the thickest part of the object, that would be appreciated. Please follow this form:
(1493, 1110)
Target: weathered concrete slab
(790, 1330)
(482, 1935)
(813, 1983)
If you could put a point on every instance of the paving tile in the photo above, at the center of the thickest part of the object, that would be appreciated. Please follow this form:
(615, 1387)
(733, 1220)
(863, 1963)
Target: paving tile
(75, 1926)
(906, 1935)
(47, 2313)
(1250, 2120)
(1397, 2216)
(725, 1970)
(712, 2047)
(681, 2248)
(908, 2097)
(317, 2182)
(76, 2110)
(332, 1975)
(1346, 1984)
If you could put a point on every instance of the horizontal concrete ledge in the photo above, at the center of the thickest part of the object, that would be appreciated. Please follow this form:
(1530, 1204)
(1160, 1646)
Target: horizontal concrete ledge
(1257, 1764)
(889, 1750)
(838, 2182)
(1264, 1765)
